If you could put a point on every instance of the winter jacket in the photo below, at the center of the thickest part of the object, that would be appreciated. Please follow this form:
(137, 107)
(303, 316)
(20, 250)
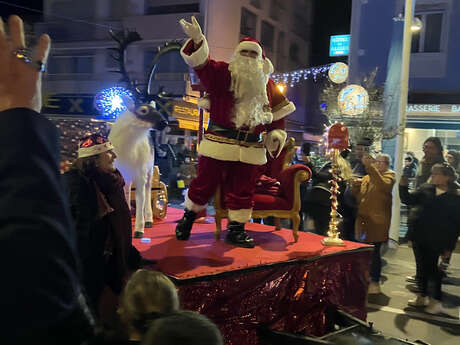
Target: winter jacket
(40, 290)
(434, 220)
(374, 198)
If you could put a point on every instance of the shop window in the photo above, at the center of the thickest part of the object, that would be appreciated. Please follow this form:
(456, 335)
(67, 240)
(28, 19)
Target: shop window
(428, 39)
(248, 23)
(267, 36)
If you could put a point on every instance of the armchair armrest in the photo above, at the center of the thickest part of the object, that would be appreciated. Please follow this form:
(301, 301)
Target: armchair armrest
(290, 179)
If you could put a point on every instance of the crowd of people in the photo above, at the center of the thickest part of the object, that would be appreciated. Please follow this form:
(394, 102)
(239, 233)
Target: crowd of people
(66, 237)
(69, 235)
(433, 199)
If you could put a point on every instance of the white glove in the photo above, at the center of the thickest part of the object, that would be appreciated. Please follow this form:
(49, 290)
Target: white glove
(192, 30)
(274, 141)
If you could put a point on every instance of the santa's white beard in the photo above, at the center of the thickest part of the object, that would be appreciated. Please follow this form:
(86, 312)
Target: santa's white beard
(249, 89)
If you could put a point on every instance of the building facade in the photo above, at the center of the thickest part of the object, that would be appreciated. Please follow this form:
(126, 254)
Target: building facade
(80, 62)
(434, 91)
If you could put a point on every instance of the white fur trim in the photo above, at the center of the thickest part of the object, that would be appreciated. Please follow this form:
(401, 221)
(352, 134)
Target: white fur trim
(94, 150)
(274, 141)
(248, 45)
(268, 66)
(284, 111)
(198, 57)
(232, 153)
(190, 205)
(240, 216)
(204, 102)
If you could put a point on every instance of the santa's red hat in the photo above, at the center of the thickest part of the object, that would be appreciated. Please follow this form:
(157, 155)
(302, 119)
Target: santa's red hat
(92, 145)
(249, 43)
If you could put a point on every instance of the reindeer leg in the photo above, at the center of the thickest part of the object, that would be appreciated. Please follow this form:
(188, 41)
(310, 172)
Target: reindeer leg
(140, 205)
(148, 215)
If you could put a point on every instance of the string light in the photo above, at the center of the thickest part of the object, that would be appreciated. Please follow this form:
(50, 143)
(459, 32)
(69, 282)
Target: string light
(294, 77)
(109, 102)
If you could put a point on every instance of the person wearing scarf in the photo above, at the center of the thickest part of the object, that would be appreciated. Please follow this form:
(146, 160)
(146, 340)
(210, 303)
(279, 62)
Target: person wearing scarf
(102, 218)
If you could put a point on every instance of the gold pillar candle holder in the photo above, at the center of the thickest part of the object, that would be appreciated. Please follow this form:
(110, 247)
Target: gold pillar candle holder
(333, 233)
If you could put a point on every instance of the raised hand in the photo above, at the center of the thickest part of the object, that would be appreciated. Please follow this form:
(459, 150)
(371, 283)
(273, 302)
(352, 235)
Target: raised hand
(192, 30)
(20, 74)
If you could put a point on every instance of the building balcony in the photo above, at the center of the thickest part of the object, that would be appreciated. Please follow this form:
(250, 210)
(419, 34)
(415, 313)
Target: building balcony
(74, 32)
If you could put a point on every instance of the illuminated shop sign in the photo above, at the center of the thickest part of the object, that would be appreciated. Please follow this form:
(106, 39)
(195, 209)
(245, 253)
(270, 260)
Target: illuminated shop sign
(339, 45)
(414, 109)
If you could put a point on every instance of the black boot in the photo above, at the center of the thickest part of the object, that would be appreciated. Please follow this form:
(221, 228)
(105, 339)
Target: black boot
(237, 236)
(184, 226)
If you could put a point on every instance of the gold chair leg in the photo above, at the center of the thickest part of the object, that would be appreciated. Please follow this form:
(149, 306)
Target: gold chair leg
(277, 223)
(218, 219)
(295, 226)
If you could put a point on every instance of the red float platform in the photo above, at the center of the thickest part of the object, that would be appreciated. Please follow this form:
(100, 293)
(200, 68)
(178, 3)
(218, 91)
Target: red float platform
(281, 284)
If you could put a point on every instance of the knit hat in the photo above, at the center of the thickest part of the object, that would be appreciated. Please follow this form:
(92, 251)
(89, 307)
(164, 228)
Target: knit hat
(249, 43)
(92, 145)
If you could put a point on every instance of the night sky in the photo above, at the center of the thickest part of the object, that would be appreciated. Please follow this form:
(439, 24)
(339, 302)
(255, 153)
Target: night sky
(331, 17)
(8, 7)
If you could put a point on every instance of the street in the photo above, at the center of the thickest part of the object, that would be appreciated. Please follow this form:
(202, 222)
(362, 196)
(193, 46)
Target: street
(390, 313)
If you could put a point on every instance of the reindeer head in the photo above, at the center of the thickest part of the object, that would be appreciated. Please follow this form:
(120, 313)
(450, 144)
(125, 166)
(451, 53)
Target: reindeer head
(146, 112)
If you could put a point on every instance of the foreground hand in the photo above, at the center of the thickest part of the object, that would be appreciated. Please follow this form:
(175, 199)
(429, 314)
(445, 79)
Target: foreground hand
(20, 82)
(192, 30)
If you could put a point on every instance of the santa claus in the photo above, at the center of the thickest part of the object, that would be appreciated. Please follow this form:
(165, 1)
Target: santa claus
(246, 119)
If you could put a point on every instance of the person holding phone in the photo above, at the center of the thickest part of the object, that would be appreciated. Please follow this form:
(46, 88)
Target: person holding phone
(374, 197)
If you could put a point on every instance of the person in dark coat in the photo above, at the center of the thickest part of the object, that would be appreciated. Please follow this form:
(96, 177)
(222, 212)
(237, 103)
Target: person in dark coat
(40, 294)
(319, 198)
(409, 168)
(435, 221)
(433, 153)
(102, 217)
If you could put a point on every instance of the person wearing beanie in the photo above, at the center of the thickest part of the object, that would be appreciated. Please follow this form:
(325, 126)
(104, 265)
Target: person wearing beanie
(244, 103)
(102, 218)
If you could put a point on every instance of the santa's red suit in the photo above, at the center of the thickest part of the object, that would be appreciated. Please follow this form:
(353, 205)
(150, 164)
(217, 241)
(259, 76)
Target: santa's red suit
(230, 156)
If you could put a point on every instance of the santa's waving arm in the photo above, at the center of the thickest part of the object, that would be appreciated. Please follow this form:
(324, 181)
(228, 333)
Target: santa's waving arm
(195, 53)
(276, 135)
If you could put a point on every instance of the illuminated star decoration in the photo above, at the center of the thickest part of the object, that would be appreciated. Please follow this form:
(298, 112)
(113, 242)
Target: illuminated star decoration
(294, 77)
(109, 102)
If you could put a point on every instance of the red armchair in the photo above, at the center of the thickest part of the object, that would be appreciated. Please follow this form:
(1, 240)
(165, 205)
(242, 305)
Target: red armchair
(284, 205)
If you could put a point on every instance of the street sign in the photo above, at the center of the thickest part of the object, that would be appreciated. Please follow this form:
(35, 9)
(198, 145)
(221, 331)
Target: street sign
(339, 45)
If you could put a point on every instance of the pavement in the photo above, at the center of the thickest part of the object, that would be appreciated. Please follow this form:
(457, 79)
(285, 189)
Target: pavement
(390, 313)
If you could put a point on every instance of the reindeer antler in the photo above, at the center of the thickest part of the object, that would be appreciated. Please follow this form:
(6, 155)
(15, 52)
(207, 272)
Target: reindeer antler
(124, 38)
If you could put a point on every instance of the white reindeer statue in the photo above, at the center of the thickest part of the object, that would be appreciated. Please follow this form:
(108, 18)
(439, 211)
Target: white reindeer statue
(130, 133)
(135, 157)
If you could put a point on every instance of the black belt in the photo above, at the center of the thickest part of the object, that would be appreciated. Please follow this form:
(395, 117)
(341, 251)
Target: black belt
(235, 134)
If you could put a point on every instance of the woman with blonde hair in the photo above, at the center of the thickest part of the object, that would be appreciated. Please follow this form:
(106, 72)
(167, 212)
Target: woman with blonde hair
(148, 295)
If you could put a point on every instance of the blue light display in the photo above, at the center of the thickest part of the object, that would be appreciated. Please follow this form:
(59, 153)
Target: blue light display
(109, 102)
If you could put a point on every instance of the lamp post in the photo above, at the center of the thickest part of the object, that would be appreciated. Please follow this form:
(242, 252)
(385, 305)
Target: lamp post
(405, 64)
